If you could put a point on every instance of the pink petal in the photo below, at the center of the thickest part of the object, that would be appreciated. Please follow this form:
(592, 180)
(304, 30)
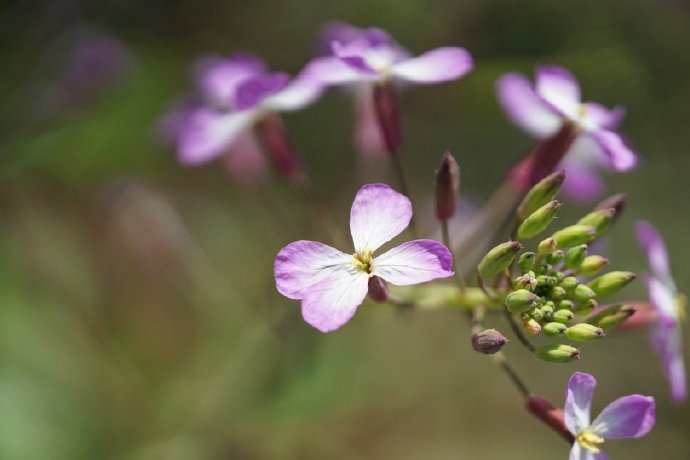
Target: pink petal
(654, 245)
(525, 108)
(244, 160)
(299, 93)
(333, 301)
(664, 300)
(206, 134)
(559, 87)
(582, 184)
(378, 214)
(627, 417)
(668, 343)
(597, 117)
(301, 265)
(333, 71)
(439, 65)
(368, 137)
(414, 262)
(219, 77)
(578, 400)
(620, 156)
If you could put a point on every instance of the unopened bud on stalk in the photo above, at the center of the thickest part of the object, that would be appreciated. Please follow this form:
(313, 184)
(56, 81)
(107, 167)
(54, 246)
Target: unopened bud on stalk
(569, 283)
(616, 202)
(563, 316)
(539, 195)
(489, 341)
(538, 221)
(600, 219)
(553, 329)
(566, 304)
(386, 104)
(612, 317)
(575, 256)
(527, 281)
(592, 265)
(574, 235)
(557, 353)
(586, 307)
(555, 257)
(521, 301)
(582, 292)
(378, 289)
(557, 293)
(498, 259)
(526, 261)
(584, 332)
(610, 283)
(531, 326)
(271, 134)
(547, 308)
(547, 246)
(544, 280)
(447, 187)
(550, 415)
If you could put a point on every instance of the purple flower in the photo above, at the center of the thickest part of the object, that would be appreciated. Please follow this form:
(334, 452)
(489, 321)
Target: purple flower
(627, 417)
(372, 55)
(236, 93)
(666, 333)
(332, 284)
(542, 108)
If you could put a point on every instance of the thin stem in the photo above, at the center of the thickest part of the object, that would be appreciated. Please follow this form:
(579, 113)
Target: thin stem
(518, 332)
(445, 235)
(480, 282)
(404, 188)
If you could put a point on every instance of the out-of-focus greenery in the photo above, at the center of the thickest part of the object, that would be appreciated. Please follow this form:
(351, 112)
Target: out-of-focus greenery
(138, 315)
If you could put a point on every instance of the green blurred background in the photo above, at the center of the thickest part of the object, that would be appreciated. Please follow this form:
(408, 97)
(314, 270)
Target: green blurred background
(138, 314)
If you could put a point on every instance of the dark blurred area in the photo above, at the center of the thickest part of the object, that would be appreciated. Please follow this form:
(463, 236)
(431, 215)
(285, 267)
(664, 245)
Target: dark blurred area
(138, 313)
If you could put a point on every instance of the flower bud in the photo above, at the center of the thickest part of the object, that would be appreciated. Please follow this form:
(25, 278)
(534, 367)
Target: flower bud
(531, 326)
(582, 292)
(554, 329)
(611, 319)
(574, 235)
(556, 257)
(538, 221)
(527, 281)
(557, 353)
(526, 261)
(540, 194)
(616, 202)
(386, 104)
(547, 246)
(584, 332)
(273, 137)
(550, 415)
(601, 220)
(447, 187)
(557, 293)
(575, 256)
(378, 290)
(536, 314)
(544, 280)
(521, 301)
(586, 307)
(489, 341)
(566, 304)
(592, 265)
(563, 316)
(569, 283)
(610, 283)
(498, 259)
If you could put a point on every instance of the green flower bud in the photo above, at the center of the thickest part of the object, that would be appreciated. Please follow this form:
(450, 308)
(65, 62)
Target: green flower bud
(574, 235)
(526, 261)
(555, 258)
(521, 301)
(612, 317)
(554, 329)
(584, 332)
(566, 304)
(543, 192)
(557, 353)
(547, 246)
(601, 220)
(582, 292)
(543, 280)
(536, 314)
(610, 283)
(498, 259)
(575, 256)
(527, 281)
(489, 341)
(547, 308)
(592, 265)
(586, 307)
(615, 202)
(531, 326)
(569, 283)
(537, 222)
(563, 316)
(557, 293)
(447, 187)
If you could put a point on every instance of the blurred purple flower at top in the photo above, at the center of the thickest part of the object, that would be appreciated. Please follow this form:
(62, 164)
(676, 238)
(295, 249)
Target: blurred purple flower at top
(627, 417)
(332, 284)
(666, 334)
(542, 108)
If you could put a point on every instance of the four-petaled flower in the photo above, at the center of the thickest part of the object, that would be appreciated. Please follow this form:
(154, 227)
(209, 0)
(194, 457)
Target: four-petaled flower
(555, 98)
(332, 284)
(627, 417)
(666, 332)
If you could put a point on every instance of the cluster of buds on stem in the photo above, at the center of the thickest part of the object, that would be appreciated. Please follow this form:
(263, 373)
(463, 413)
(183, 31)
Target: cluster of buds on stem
(555, 289)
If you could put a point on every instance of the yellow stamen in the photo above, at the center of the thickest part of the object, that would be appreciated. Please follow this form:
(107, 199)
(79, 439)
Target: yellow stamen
(589, 440)
(681, 306)
(581, 110)
(362, 261)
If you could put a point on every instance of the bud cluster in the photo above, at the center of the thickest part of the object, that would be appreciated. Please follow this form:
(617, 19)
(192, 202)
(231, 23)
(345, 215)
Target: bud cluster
(558, 285)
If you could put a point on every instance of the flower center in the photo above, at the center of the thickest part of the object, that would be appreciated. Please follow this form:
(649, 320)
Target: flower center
(589, 440)
(362, 261)
(681, 306)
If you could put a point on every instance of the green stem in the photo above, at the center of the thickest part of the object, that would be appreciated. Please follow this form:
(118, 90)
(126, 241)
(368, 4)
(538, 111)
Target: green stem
(518, 332)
